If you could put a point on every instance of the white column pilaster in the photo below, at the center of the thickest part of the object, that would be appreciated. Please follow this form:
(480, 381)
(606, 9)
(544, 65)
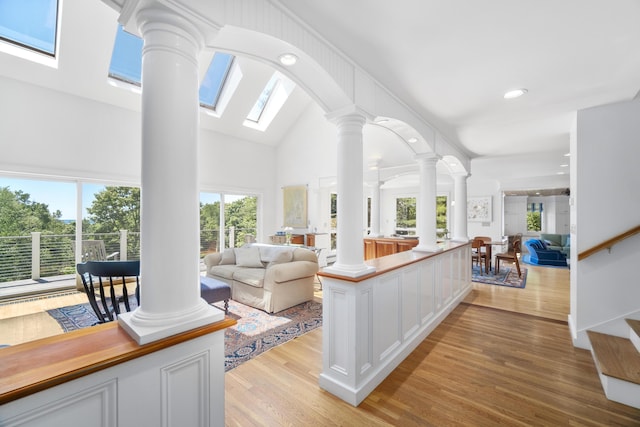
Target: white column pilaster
(426, 204)
(170, 282)
(460, 208)
(375, 210)
(350, 244)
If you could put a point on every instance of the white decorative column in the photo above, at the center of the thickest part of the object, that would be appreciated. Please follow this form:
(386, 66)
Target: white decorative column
(350, 244)
(460, 209)
(426, 209)
(170, 278)
(375, 209)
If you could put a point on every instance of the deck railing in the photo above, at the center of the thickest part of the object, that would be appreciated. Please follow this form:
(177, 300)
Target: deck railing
(46, 255)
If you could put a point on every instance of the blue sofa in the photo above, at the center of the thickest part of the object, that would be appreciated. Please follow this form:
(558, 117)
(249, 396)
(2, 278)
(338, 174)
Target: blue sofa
(558, 242)
(540, 254)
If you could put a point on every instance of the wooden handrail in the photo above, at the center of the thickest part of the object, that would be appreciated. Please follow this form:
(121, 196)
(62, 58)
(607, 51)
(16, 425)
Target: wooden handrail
(609, 243)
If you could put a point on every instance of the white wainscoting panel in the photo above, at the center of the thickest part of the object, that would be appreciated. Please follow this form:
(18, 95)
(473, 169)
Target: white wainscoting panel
(386, 316)
(185, 392)
(93, 406)
(177, 386)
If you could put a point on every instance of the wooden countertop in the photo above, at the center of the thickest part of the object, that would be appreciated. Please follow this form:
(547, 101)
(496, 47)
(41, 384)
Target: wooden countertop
(38, 365)
(393, 262)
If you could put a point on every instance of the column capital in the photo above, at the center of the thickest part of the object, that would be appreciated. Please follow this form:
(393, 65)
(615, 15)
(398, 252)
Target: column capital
(427, 159)
(188, 16)
(461, 175)
(349, 113)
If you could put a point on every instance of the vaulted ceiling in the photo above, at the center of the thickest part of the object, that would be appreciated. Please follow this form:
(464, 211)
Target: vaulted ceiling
(450, 61)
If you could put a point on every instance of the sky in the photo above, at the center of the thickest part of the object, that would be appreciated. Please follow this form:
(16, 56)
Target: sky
(62, 195)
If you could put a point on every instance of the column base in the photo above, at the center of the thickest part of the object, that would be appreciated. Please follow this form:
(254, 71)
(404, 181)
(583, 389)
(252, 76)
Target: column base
(146, 330)
(349, 270)
(427, 248)
(461, 239)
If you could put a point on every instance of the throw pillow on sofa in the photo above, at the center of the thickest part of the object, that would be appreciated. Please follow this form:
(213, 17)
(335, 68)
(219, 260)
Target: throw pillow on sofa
(228, 257)
(248, 257)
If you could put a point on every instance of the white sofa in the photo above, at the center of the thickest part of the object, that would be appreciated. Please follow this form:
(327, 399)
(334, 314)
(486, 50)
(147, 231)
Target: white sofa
(268, 277)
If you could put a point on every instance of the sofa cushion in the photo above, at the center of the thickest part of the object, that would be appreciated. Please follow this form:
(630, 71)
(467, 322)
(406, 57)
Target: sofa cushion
(248, 257)
(280, 258)
(250, 276)
(224, 271)
(269, 253)
(228, 257)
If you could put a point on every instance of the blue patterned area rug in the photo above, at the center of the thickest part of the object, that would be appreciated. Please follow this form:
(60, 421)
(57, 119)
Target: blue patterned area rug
(508, 276)
(257, 331)
(254, 333)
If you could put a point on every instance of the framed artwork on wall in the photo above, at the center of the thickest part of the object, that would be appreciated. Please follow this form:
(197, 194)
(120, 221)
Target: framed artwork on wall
(295, 206)
(479, 209)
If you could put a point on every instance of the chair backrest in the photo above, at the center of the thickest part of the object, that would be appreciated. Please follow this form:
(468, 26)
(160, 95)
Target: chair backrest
(94, 250)
(517, 246)
(477, 243)
(99, 275)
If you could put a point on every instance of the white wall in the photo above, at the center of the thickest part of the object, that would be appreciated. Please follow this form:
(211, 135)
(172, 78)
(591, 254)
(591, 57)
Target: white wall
(47, 132)
(479, 187)
(306, 156)
(604, 190)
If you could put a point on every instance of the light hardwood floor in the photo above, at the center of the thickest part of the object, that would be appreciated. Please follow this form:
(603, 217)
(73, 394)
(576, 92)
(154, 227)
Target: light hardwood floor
(503, 357)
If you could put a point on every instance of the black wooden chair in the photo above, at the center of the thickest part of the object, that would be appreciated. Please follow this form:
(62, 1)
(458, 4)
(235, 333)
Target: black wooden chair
(99, 275)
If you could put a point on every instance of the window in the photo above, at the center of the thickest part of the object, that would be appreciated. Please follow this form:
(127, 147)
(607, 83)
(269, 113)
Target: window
(240, 218)
(214, 80)
(534, 216)
(126, 58)
(126, 66)
(441, 217)
(406, 215)
(270, 101)
(30, 28)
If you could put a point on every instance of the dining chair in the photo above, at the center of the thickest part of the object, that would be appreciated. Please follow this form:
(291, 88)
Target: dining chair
(97, 276)
(478, 255)
(511, 256)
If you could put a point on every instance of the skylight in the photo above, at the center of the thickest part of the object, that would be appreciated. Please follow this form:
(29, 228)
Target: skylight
(126, 58)
(30, 24)
(260, 105)
(270, 101)
(214, 80)
(126, 66)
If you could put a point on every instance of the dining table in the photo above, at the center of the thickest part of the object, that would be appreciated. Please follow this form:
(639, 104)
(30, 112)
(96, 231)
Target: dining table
(488, 245)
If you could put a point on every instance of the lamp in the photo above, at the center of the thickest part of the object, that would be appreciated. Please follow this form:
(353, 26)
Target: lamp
(287, 233)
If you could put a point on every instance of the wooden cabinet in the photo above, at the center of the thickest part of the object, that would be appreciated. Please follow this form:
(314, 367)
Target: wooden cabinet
(297, 239)
(383, 246)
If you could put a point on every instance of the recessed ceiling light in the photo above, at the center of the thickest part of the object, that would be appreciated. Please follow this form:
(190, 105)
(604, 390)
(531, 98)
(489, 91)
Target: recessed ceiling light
(564, 166)
(567, 155)
(515, 93)
(413, 140)
(288, 59)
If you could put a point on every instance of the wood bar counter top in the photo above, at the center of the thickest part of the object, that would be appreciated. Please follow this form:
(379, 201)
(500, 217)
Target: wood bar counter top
(392, 262)
(38, 365)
